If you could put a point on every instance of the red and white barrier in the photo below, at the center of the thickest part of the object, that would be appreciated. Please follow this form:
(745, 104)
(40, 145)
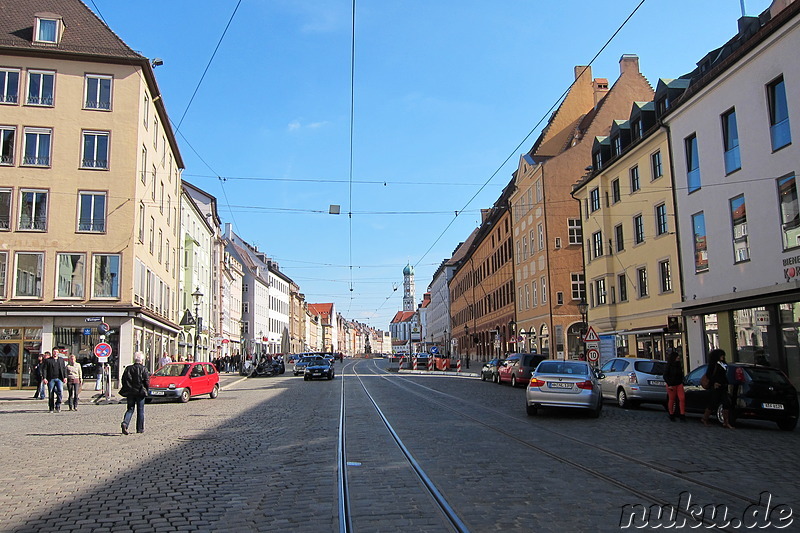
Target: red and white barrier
(415, 363)
(430, 364)
(458, 366)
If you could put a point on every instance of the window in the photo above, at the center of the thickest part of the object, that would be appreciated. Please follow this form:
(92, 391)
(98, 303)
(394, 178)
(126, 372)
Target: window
(600, 291)
(597, 244)
(638, 229)
(636, 129)
(70, 275)
(538, 187)
(7, 134)
(575, 231)
(3, 272)
(619, 236)
(700, 244)
(641, 275)
(615, 194)
(92, 211)
(730, 141)
(160, 246)
(534, 294)
(28, 274)
(152, 235)
(5, 209)
(532, 240)
(33, 210)
(665, 276)
(166, 256)
(540, 235)
(790, 211)
(161, 199)
(661, 219)
(46, 30)
(622, 286)
(544, 289)
(141, 222)
(578, 286)
(594, 200)
(144, 165)
(40, 87)
(9, 86)
(37, 147)
(146, 110)
(105, 277)
(559, 298)
(778, 114)
(98, 92)
(692, 163)
(527, 297)
(95, 149)
(635, 185)
(616, 145)
(741, 247)
(655, 164)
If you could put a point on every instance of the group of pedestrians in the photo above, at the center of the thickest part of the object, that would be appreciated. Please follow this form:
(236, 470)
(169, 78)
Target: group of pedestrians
(716, 377)
(54, 374)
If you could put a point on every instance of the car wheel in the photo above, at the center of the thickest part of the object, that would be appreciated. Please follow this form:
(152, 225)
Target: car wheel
(185, 395)
(330, 376)
(530, 409)
(305, 378)
(483, 376)
(513, 380)
(622, 399)
(214, 392)
(787, 424)
(596, 411)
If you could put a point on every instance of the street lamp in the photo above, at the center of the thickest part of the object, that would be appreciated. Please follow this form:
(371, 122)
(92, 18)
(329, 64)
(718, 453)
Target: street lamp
(198, 296)
(512, 330)
(583, 308)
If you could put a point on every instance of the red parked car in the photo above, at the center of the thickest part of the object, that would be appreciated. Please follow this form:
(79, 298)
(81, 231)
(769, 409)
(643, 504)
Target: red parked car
(518, 367)
(184, 380)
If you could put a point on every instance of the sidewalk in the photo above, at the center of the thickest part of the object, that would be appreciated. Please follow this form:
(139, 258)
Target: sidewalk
(88, 392)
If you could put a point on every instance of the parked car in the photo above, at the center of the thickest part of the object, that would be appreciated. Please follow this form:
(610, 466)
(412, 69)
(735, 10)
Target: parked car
(184, 380)
(318, 368)
(757, 392)
(564, 384)
(518, 367)
(490, 368)
(632, 381)
(300, 366)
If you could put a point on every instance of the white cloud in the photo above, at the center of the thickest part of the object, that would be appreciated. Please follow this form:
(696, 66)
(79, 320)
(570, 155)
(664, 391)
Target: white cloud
(297, 125)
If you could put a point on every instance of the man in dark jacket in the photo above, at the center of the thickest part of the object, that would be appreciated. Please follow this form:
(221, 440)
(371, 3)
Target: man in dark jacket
(135, 386)
(54, 373)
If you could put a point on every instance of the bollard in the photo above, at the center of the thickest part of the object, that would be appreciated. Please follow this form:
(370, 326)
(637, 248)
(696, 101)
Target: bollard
(458, 366)
(415, 363)
(430, 364)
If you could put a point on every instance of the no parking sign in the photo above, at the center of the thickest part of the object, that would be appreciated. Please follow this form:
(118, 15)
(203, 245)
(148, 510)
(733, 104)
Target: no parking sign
(102, 350)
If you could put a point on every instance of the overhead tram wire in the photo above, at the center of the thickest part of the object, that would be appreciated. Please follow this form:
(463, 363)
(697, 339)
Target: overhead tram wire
(524, 140)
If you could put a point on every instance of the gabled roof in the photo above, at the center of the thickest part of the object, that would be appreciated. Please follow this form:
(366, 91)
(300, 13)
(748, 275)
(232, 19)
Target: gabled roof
(84, 33)
(403, 316)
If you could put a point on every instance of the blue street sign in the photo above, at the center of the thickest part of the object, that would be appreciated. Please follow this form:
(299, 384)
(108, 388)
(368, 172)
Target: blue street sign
(87, 331)
(434, 350)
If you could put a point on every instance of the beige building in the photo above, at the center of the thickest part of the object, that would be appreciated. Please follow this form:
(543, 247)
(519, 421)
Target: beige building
(631, 251)
(548, 266)
(89, 192)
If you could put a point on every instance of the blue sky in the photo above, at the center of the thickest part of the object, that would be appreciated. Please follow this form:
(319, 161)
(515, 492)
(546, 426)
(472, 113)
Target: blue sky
(444, 93)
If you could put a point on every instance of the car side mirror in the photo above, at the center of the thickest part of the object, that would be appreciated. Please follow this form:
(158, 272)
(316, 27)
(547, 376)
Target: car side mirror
(600, 375)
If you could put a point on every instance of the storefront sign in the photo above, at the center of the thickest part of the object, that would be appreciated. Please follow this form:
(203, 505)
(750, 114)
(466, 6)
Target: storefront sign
(791, 268)
(762, 318)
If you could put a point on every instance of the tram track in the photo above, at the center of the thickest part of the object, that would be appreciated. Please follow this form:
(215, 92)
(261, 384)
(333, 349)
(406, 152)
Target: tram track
(645, 495)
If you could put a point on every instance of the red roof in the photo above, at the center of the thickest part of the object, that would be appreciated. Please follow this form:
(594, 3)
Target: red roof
(402, 316)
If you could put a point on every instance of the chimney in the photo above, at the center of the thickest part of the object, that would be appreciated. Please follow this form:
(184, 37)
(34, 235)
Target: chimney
(600, 87)
(628, 62)
(579, 70)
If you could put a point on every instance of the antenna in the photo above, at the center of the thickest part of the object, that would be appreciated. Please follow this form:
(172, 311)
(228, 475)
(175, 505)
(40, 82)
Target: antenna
(744, 9)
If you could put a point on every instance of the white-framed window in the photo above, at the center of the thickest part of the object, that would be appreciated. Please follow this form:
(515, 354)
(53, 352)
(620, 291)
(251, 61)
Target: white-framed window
(160, 246)
(575, 231)
(5, 209)
(105, 276)
(544, 289)
(532, 240)
(70, 275)
(524, 247)
(540, 235)
(9, 85)
(28, 274)
(3, 274)
(32, 210)
(665, 276)
(155, 133)
(153, 189)
(661, 219)
(152, 235)
(95, 149)
(37, 147)
(527, 297)
(638, 229)
(600, 291)
(146, 111)
(634, 175)
(47, 30)
(98, 92)
(534, 294)
(92, 211)
(41, 87)
(7, 136)
(142, 219)
(594, 200)
(597, 244)
(144, 165)
(167, 255)
(161, 199)
(578, 286)
(538, 187)
(656, 166)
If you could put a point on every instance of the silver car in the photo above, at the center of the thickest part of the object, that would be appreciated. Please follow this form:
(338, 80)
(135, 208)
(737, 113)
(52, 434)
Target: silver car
(564, 384)
(631, 381)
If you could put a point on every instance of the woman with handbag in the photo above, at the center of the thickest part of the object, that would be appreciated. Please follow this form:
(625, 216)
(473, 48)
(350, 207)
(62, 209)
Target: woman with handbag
(717, 373)
(74, 382)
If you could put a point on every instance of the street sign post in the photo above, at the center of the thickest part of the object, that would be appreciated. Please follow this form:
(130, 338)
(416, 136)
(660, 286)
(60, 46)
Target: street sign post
(102, 350)
(593, 355)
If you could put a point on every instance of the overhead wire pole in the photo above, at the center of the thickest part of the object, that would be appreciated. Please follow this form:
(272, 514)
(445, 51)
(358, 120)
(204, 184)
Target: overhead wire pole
(352, 122)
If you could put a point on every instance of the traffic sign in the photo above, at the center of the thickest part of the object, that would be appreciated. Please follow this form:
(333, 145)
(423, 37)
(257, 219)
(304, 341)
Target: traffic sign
(434, 350)
(592, 355)
(591, 335)
(94, 319)
(102, 350)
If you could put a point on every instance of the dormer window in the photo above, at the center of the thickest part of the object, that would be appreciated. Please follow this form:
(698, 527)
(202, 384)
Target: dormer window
(47, 28)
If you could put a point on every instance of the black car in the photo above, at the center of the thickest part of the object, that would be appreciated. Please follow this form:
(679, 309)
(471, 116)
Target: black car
(489, 369)
(757, 392)
(318, 368)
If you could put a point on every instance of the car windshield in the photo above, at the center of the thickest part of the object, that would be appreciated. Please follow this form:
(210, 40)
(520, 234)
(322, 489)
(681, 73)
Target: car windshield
(172, 370)
(656, 368)
(308, 359)
(562, 367)
(317, 361)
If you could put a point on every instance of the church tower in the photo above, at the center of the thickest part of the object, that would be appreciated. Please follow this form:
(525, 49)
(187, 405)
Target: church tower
(408, 288)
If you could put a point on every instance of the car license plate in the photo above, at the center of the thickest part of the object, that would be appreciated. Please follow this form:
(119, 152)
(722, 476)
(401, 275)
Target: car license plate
(556, 385)
(772, 405)
(157, 392)
(317, 373)
(657, 383)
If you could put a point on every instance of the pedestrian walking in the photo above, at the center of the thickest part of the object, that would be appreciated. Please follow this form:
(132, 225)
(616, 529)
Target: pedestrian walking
(135, 386)
(74, 382)
(717, 373)
(673, 376)
(38, 368)
(165, 359)
(55, 374)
